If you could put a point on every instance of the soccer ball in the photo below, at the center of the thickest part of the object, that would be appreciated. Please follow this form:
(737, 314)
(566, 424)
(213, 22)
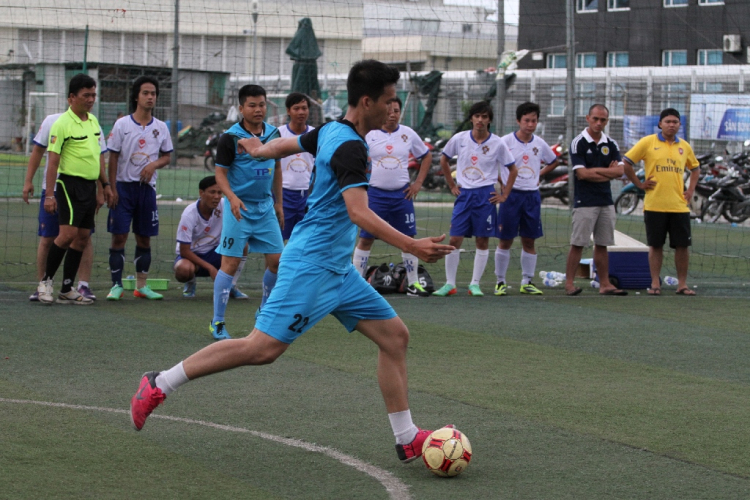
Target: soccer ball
(446, 452)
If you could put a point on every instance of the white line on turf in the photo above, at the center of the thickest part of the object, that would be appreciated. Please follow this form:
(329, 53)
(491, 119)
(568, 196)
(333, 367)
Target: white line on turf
(395, 488)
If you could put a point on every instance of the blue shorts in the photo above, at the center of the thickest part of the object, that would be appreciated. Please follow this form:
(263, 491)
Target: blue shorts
(211, 257)
(306, 293)
(49, 225)
(521, 214)
(473, 214)
(258, 227)
(394, 208)
(137, 203)
(295, 206)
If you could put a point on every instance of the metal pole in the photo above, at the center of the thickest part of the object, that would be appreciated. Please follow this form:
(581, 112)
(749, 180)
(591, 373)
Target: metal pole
(570, 97)
(500, 76)
(85, 49)
(255, 41)
(175, 77)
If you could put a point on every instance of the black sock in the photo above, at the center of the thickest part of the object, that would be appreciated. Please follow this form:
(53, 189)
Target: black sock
(54, 259)
(70, 268)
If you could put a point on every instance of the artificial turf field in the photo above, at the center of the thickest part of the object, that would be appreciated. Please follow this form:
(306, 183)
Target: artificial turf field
(562, 397)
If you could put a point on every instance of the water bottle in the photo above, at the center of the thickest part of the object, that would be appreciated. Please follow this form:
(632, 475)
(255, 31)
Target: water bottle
(552, 275)
(594, 284)
(550, 282)
(670, 280)
(131, 277)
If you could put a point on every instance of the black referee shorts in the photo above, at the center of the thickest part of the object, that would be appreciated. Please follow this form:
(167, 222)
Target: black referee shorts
(76, 201)
(658, 224)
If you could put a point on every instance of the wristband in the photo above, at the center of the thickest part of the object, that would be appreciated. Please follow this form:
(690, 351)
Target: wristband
(105, 184)
(49, 198)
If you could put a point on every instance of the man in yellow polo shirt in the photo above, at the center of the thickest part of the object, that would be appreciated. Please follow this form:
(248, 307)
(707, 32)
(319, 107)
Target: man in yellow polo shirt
(667, 158)
(75, 164)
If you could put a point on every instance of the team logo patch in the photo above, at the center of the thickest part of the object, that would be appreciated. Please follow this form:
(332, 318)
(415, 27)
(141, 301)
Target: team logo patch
(141, 143)
(605, 150)
(184, 228)
(207, 229)
(156, 133)
(388, 148)
(474, 159)
(681, 151)
(525, 158)
(536, 151)
(485, 150)
(53, 139)
(404, 137)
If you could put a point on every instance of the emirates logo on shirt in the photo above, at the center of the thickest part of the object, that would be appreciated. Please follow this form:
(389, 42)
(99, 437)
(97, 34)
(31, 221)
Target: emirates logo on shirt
(389, 148)
(474, 159)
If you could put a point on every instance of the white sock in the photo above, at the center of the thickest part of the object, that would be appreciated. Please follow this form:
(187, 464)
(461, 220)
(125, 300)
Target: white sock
(403, 428)
(240, 267)
(528, 267)
(82, 283)
(360, 260)
(411, 263)
(168, 381)
(451, 266)
(480, 262)
(502, 260)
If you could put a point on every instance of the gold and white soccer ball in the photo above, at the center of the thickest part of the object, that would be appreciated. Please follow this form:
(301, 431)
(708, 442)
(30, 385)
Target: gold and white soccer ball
(446, 452)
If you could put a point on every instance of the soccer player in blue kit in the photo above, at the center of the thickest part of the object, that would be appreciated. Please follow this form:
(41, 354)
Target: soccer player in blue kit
(316, 276)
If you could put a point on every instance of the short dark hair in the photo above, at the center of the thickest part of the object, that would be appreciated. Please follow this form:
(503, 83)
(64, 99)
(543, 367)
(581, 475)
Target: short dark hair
(480, 108)
(600, 106)
(526, 109)
(136, 89)
(369, 78)
(400, 103)
(207, 182)
(250, 91)
(669, 112)
(80, 81)
(296, 98)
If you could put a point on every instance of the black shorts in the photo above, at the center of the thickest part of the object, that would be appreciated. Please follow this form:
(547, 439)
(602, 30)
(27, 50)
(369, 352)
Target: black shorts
(76, 201)
(658, 224)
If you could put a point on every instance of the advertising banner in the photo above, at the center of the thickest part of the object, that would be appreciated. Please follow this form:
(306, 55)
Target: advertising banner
(720, 117)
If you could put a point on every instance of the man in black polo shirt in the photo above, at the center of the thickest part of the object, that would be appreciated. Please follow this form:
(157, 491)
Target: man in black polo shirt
(596, 161)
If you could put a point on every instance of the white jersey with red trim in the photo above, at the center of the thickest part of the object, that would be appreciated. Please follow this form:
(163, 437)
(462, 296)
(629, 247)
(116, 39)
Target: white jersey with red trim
(296, 169)
(138, 146)
(201, 234)
(389, 152)
(478, 163)
(530, 157)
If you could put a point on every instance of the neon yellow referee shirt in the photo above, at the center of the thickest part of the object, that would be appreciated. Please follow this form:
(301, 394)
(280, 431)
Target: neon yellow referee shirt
(79, 144)
(666, 163)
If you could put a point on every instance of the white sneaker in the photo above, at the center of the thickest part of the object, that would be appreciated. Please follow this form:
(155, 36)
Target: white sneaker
(73, 297)
(44, 290)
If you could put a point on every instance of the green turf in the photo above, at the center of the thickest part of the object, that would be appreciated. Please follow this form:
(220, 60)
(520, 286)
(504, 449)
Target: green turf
(582, 397)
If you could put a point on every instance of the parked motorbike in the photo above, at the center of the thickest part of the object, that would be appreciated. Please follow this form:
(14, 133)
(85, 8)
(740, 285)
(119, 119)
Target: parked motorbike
(630, 196)
(556, 188)
(435, 178)
(209, 156)
(729, 199)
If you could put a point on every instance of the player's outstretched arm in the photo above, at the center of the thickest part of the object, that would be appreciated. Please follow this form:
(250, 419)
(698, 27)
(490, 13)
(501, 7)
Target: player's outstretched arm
(426, 249)
(275, 149)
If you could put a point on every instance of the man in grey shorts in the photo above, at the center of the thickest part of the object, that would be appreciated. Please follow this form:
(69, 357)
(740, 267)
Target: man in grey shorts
(596, 161)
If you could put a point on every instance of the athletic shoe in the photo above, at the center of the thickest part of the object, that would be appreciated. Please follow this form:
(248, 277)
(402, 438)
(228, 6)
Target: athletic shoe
(475, 291)
(115, 293)
(501, 289)
(44, 292)
(34, 297)
(145, 400)
(531, 289)
(445, 290)
(412, 451)
(235, 293)
(147, 293)
(188, 291)
(86, 292)
(218, 330)
(73, 297)
(416, 290)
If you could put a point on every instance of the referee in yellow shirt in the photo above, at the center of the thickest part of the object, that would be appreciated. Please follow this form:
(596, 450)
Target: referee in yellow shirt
(665, 210)
(75, 164)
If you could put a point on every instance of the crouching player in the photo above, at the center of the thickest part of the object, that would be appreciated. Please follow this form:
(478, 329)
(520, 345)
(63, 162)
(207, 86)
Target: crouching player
(197, 238)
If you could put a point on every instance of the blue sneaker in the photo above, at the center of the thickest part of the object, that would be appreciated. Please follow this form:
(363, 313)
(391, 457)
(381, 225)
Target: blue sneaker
(218, 330)
(188, 291)
(235, 293)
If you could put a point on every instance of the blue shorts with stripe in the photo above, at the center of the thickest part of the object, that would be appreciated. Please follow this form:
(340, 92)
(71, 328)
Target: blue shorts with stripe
(295, 206)
(473, 214)
(137, 204)
(258, 227)
(394, 208)
(305, 293)
(521, 214)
